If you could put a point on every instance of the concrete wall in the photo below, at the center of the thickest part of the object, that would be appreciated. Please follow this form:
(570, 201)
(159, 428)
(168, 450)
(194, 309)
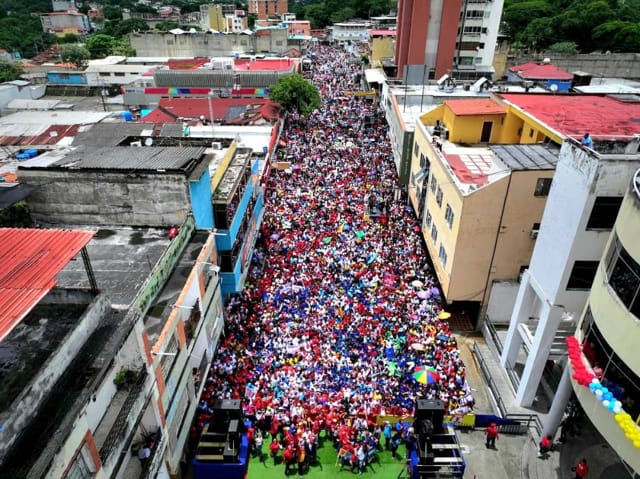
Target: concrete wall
(205, 44)
(623, 65)
(27, 404)
(107, 198)
(580, 177)
(502, 300)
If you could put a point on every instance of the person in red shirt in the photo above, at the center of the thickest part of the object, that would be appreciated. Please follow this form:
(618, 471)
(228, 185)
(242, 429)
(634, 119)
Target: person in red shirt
(492, 434)
(581, 469)
(545, 445)
(274, 448)
(289, 456)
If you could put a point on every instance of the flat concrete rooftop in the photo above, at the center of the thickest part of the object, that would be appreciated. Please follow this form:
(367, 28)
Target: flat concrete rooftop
(121, 259)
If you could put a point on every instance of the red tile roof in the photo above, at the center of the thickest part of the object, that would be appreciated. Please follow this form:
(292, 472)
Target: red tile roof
(540, 71)
(246, 110)
(265, 64)
(603, 117)
(186, 64)
(476, 106)
(50, 136)
(29, 261)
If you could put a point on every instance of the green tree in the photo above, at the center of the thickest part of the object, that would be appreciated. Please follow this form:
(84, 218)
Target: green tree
(166, 26)
(122, 46)
(67, 38)
(567, 48)
(111, 12)
(618, 36)
(125, 27)
(75, 54)
(10, 71)
(516, 16)
(317, 14)
(99, 45)
(294, 93)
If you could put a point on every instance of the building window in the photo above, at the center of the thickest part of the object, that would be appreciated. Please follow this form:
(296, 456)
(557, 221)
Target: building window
(604, 212)
(427, 220)
(582, 274)
(442, 255)
(624, 277)
(434, 184)
(448, 215)
(434, 233)
(416, 149)
(82, 466)
(621, 380)
(543, 185)
(439, 196)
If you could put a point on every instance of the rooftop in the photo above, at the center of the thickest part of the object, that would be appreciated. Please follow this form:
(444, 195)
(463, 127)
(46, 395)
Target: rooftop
(381, 33)
(228, 183)
(121, 259)
(224, 110)
(527, 157)
(30, 259)
(475, 106)
(473, 166)
(125, 158)
(111, 134)
(604, 117)
(163, 304)
(42, 118)
(266, 64)
(540, 71)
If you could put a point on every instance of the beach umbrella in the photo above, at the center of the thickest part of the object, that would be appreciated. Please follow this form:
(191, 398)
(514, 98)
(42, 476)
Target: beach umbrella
(444, 315)
(422, 294)
(417, 283)
(417, 347)
(425, 375)
(435, 291)
(327, 239)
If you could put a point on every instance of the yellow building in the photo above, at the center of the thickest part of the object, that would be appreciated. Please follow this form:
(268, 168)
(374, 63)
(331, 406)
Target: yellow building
(216, 17)
(480, 203)
(382, 44)
(609, 332)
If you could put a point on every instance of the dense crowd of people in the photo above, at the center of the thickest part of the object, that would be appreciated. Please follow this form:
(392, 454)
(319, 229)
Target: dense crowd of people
(341, 305)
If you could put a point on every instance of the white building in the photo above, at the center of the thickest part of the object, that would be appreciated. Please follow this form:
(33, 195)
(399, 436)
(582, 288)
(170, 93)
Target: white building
(479, 26)
(584, 199)
(350, 32)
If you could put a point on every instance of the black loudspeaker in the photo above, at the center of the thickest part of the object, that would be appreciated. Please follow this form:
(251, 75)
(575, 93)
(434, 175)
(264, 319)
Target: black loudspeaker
(429, 411)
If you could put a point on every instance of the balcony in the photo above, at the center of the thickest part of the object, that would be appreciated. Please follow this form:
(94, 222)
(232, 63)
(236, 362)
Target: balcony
(121, 417)
(606, 424)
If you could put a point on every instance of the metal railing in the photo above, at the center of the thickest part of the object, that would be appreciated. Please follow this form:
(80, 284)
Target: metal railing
(121, 425)
(526, 421)
(502, 409)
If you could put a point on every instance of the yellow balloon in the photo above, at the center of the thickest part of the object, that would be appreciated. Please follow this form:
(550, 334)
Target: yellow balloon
(637, 444)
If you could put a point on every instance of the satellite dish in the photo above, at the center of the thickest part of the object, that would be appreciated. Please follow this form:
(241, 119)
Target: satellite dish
(553, 88)
(148, 141)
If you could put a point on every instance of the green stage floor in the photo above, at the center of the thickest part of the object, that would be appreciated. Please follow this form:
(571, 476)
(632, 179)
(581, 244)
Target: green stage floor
(325, 468)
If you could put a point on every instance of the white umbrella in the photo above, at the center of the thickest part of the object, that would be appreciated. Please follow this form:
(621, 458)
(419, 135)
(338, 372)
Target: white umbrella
(416, 283)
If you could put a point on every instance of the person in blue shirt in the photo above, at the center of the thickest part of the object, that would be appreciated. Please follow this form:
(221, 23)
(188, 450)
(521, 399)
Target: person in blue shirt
(587, 141)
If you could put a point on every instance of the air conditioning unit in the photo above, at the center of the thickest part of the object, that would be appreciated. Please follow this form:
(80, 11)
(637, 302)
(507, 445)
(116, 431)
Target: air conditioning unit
(135, 143)
(216, 145)
(534, 234)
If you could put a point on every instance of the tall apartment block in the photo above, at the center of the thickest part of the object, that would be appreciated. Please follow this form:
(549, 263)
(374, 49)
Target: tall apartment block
(438, 37)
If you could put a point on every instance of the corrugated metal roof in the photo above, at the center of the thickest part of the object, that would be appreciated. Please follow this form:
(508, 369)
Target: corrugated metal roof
(109, 134)
(527, 157)
(29, 261)
(130, 158)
